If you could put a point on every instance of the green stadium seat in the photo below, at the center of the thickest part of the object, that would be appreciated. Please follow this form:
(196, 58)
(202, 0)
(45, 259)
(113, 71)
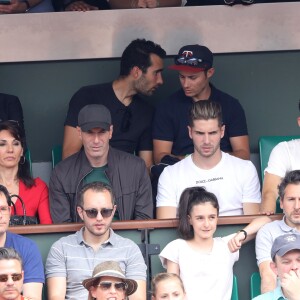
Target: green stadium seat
(255, 285)
(266, 145)
(56, 155)
(235, 291)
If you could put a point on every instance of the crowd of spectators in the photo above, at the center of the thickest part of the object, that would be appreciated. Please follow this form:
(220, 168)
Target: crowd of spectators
(38, 6)
(201, 153)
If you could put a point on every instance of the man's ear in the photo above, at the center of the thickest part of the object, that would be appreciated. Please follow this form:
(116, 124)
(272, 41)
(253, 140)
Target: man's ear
(80, 212)
(136, 72)
(298, 119)
(222, 130)
(210, 72)
(190, 131)
(111, 129)
(79, 132)
(273, 267)
(281, 203)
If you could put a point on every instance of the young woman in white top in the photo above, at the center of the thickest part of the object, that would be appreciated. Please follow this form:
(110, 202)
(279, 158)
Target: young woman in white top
(203, 262)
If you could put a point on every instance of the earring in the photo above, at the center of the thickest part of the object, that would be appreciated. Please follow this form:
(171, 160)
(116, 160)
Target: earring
(22, 162)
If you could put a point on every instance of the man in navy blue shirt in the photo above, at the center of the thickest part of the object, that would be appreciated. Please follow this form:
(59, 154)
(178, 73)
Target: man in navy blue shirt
(170, 134)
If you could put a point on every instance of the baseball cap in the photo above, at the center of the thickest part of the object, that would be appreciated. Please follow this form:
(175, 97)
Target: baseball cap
(193, 58)
(94, 116)
(285, 243)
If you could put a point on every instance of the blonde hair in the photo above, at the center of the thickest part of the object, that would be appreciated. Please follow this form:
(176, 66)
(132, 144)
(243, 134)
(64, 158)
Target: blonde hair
(164, 276)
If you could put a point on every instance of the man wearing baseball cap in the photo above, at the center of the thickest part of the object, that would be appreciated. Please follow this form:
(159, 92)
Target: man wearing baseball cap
(285, 264)
(171, 140)
(98, 161)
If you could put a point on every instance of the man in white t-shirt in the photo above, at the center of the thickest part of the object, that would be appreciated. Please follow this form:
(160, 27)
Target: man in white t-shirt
(284, 158)
(234, 181)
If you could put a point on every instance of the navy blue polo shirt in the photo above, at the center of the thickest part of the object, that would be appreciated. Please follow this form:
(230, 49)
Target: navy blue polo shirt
(172, 118)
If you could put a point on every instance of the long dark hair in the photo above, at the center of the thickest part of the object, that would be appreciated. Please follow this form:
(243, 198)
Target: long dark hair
(17, 132)
(189, 198)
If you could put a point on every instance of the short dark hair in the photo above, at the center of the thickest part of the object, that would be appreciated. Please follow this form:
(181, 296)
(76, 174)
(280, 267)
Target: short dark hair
(164, 276)
(18, 133)
(96, 186)
(292, 177)
(5, 192)
(10, 253)
(137, 54)
(189, 198)
(205, 110)
(299, 105)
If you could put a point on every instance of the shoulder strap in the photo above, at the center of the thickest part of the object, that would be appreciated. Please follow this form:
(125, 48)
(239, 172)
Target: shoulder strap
(22, 202)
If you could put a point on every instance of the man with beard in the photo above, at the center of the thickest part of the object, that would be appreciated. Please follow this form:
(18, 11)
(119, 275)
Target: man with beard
(140, 73)
(72, 259)
(233, 180)
(289, 194)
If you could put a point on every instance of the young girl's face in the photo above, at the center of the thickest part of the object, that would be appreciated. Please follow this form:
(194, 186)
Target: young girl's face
(169, 289)
(204, 217)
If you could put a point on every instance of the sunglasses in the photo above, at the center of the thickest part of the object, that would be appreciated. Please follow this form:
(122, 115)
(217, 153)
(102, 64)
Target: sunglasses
(93, 212)
(5, 209)
(119, 286)
(14, 277)
(182, 60)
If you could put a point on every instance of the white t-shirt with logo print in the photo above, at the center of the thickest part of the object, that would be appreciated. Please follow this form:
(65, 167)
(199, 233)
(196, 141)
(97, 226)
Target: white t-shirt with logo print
(233, 180)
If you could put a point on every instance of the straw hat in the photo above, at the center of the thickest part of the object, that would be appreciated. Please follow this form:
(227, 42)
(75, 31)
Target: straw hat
(112, 269)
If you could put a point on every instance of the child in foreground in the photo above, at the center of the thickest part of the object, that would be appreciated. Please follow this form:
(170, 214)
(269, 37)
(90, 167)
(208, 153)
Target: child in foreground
(167, 286)
(203, 262)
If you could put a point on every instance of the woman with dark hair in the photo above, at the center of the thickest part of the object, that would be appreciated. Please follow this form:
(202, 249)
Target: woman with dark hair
(204, 262)
(15, 174)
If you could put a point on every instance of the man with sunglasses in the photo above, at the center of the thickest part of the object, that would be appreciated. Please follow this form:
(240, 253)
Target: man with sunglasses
(140, 74)
(73, 258)
(171, 139)
(11, 275)
(98, 161)
(28, 250)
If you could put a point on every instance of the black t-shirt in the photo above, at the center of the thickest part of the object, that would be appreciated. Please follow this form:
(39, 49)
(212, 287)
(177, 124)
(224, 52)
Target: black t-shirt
(131, 124)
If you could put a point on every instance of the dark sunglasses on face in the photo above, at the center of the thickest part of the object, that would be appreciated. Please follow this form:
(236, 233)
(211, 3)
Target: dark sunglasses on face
(14, 277)
(93, 212)
(119, 286)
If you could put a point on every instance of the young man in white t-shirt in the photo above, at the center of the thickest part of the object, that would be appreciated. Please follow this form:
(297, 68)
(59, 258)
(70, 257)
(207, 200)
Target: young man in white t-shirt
(234, 181)
(284, 158)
